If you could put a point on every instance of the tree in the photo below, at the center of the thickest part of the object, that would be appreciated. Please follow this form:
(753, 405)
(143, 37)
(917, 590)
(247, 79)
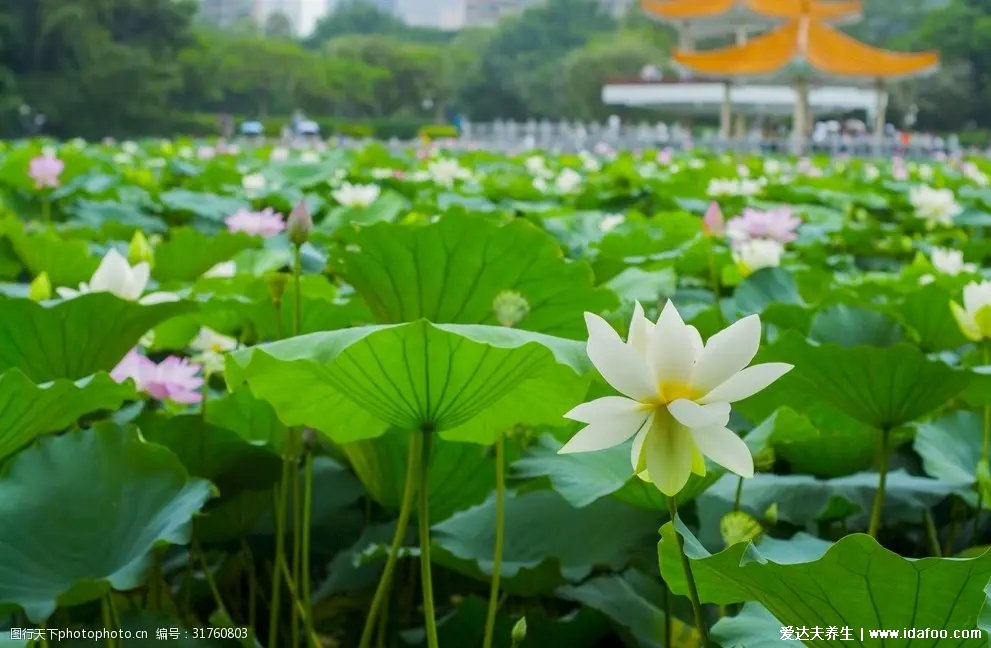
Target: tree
(96, 66)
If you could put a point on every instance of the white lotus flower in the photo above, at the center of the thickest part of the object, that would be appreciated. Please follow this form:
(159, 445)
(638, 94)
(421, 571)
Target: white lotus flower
(734, 187)
(568, 181)
(755, 254)
(935, 206)
(116, 276)
(950, 262)
(211, 347)
(309, 157)
(974, 318)
(676, 395)
(254, 182)
(446, 171)
(610, 222)
(537, 166)
(222, 270)
(356, 195)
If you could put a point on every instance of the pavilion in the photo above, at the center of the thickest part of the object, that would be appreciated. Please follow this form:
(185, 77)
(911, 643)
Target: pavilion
(796, 62)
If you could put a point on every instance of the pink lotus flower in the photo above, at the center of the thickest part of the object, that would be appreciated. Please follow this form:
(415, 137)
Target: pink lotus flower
(665, 156)
(173, 379)
(45, 171)
(776, 225)
(265, 223)
(714, 223)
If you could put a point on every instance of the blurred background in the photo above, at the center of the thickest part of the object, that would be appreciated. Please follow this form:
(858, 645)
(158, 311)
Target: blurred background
(388, 68)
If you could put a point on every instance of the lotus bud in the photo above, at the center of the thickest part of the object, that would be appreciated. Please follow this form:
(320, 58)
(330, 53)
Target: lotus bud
(764, 460)
(714, 223)
(300, 224)
(41, 288)
(140, 250)
(277, 282)
(519, 632)
(510, 307)
(738, 526)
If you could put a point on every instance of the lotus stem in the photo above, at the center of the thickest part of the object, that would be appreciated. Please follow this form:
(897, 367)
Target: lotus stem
(312, 637)
(668, 630)
(986, 445)
(46, 209)
(249, 566)
(931, 535)
(208, 576)
(715, 284)
(281, 495)
(297, 538)
(500, 534)
(429, 616)
(693, 592)
(882, 469)
(405, 509)
(307, 521)
(739, 494)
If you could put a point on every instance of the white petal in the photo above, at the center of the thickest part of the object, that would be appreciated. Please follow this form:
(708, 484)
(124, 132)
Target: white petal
(746, 383)
(725, 448)
(608, 408)
(691, 414)
(137, 280)
(726, 353)
(669, 457)
(671, 349)
(159, 298)
(601, 435)
(111, 275)
(637, 459)
(620, 364)
(640, 328)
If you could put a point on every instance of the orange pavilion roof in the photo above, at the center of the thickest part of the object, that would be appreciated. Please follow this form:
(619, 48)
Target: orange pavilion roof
(808, 40)
(685, 10)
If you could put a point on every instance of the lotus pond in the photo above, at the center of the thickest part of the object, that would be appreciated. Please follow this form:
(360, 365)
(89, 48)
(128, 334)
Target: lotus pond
(367, 397)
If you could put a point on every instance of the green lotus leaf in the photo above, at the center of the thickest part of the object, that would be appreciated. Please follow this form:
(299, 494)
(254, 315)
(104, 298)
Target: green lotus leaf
(883, 387)
(214, 453)
(950, 447)
(468, 382)
(853, 583)
(120, 497)
(583, 478)
(210, 207)
(752, 627)
(824, 445)
(28, 410)
(632, 601)
(851, 326)
(802, 500)
(454, 271)
(67, 262)
(76, 337)
(461, 474)
(189, 253)
(541, 527)
(927, 314)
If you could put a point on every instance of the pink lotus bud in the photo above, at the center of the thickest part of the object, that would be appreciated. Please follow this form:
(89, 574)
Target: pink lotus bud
(714, 223)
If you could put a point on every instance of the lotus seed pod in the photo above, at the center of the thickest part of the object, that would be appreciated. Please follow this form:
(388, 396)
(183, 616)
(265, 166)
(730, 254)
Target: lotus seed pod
(510, 307)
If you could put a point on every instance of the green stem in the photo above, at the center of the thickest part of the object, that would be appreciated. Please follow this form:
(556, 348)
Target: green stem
(500, 533)
(281, 495)
(297, 270)
(108, 622)
(208, 575)
(405, 508)
(46, 209)
(882, 468)
(291, 586)
(739, 493)
(693, 593)
(931, 535)
(429, 615)
(297, 540)
(715, 284)
(668, 630)
(249, 564)
(307, 521)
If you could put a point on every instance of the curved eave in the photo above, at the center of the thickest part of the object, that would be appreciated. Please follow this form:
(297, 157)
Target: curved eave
(830, 53)
(831, 11)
